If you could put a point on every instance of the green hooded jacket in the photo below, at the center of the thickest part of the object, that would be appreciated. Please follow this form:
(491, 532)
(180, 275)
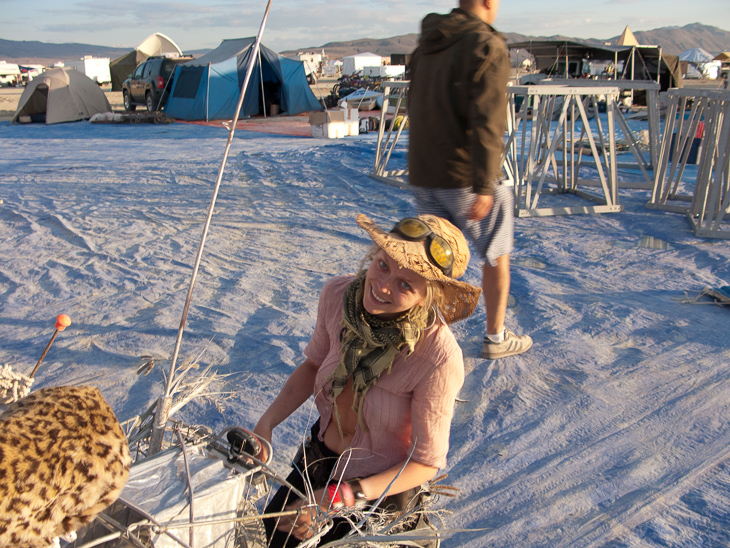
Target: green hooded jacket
(457, 103)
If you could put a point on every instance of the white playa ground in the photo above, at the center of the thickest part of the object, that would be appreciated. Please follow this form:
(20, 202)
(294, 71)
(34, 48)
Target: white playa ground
(611, 431)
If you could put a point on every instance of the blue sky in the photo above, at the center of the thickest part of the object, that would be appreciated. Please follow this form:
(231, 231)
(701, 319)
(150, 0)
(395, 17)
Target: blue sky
(293, 24)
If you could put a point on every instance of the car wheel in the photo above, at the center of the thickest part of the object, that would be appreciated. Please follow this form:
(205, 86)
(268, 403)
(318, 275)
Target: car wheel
(128, 106)
(150, 104)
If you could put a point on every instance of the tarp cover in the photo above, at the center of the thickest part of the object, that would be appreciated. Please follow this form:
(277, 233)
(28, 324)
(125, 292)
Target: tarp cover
(123, 66)
(61, 95)
(208, 88)
(159, 486)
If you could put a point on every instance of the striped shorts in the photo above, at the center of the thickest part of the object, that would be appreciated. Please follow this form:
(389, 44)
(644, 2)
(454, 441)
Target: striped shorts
(493, 236)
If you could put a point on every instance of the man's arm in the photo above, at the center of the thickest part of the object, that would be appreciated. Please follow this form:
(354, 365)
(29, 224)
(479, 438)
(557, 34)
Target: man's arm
(482, 206)
(488, 116)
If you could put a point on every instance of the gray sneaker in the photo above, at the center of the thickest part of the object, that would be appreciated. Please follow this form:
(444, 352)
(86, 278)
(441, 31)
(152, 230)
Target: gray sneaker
(510, 346)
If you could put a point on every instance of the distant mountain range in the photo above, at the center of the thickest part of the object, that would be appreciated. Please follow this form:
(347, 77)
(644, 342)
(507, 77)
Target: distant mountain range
(43, 53)
(673, 40)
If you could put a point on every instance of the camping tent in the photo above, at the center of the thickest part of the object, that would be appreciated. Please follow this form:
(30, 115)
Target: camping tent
(154, 44)
(354, 63)
(702, 61)
(695, 55)
(208, 88)
(61, 95)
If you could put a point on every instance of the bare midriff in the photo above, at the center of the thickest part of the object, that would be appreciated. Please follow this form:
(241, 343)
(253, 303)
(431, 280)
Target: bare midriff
(348, 422)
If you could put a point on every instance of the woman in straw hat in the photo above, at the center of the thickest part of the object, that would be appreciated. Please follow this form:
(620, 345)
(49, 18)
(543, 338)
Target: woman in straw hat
(385, 370)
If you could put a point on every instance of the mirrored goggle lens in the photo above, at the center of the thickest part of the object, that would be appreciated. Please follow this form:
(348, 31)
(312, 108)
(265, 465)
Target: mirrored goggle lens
(414, 229)
(441, 253)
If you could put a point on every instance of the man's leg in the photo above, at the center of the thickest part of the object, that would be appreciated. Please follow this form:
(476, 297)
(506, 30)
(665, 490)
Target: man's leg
(499, 342)
(497, 235)
(491, 236)
(495, 288)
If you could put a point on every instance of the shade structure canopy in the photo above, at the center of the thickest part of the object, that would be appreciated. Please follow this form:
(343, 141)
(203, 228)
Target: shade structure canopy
(639, 62)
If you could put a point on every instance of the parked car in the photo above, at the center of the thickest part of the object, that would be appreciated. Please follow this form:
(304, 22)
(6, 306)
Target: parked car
(151, 83)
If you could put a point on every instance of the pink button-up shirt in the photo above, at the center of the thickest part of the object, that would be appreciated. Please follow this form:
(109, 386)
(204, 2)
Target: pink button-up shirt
(411, 405)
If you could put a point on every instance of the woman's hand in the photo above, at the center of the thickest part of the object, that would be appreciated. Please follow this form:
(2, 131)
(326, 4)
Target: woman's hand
(300, 525)
(263, 432)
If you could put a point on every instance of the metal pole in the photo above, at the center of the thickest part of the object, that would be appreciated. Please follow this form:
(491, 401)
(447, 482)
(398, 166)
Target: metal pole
(163, 405)
(207, 93)
(633, 71)
(261, 76)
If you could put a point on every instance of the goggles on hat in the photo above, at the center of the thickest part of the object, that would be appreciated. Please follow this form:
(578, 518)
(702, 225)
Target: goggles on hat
(438, 250)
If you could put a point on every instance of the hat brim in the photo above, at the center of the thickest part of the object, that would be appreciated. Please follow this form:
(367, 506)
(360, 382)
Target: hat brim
(461, 298)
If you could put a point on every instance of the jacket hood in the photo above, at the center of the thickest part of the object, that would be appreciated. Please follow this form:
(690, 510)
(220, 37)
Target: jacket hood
(440, 31)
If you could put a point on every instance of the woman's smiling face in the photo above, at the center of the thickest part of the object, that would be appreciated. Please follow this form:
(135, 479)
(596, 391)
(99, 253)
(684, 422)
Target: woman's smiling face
(391, 290)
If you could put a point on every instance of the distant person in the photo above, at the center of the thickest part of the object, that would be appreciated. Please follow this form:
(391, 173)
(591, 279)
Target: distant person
(457, 105)
(384, 369)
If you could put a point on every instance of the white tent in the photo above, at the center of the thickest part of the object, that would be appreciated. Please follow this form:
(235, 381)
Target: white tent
(702, 61)
(695, 55)
(60, 95)
(354, 63)
(332, 67)
(159, 44)
(154, 44)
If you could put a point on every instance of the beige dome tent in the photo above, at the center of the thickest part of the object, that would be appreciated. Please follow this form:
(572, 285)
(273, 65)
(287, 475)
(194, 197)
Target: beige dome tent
(60, 95)
(154, 44)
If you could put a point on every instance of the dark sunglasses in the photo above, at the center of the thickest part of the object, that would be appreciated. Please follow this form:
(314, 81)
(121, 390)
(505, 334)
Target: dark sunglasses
(438, 250)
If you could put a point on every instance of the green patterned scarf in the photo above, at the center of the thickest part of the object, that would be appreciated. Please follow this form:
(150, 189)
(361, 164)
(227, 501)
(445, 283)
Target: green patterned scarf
(369, 346)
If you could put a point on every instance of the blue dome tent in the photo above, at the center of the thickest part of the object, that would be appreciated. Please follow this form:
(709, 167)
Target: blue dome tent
(208, 88)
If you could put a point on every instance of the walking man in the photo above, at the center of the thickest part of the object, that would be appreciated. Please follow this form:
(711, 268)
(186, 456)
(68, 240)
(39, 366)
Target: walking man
(457, 105)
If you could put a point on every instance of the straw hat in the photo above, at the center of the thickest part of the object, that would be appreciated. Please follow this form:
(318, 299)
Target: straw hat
(460, 298)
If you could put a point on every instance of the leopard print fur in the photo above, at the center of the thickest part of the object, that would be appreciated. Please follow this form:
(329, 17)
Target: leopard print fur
(63, 459)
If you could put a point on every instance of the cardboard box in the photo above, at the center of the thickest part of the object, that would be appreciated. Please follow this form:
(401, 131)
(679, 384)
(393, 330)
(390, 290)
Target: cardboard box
(336, 130)
(335, 115)
(335, 123)
(353, 126)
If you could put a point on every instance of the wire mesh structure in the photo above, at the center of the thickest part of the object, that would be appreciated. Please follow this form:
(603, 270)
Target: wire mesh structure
(548, 141)
(545, 156)
(201, 490)
(697, 130)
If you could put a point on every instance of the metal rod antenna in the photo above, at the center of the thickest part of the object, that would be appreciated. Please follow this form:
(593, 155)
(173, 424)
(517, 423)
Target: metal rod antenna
(163, 406)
